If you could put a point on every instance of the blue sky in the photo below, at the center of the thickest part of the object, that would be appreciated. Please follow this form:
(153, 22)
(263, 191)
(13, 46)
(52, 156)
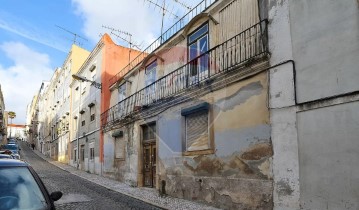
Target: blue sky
(31, 46)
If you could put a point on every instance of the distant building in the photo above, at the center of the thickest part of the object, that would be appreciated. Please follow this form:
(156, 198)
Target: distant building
(52, 118)
(16, 131)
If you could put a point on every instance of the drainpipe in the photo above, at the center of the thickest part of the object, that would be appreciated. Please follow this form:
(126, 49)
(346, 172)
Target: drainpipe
(78, 130)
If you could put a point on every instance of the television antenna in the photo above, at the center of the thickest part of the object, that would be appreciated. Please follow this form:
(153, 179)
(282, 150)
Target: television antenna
(183, 4)
(165, 11)
(127, 39)
(75, 35)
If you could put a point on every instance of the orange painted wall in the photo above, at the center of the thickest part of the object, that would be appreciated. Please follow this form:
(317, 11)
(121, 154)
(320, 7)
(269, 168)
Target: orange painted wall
(114, 59)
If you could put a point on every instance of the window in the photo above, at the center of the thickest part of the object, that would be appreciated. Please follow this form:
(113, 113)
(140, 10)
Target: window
(92, 113)
(75, 124)
(75, 154)
(77, 93)
(120, 148)
(150, 72)
(92, 153)
(197, 135)
(83, 123)
(198, 46)
(122, 92)
(20, 190)
(82, 153)
(149, 132)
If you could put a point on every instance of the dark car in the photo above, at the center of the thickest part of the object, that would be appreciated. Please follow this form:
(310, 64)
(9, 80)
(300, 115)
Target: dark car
(22, 188)
(14, 148)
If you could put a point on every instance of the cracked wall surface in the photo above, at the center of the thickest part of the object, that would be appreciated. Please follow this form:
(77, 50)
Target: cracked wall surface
(237, 175)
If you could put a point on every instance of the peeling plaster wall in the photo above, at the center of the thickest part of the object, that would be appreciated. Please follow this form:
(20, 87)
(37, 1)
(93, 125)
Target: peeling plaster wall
(284, 137)
(238, 174)
(125, 169)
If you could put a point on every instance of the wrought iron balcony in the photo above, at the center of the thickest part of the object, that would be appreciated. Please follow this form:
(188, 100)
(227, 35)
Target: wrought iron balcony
(242, 48)
(179, 25)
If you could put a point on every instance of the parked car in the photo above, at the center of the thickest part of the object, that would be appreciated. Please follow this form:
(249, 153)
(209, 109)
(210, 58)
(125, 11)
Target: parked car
(14, 148)
(21, 188)
(5, 156)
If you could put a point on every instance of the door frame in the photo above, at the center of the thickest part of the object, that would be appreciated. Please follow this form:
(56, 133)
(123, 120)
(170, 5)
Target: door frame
(141, 174)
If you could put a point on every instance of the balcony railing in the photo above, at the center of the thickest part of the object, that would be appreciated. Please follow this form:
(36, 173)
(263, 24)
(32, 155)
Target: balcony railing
(202, 6)
(246, 46)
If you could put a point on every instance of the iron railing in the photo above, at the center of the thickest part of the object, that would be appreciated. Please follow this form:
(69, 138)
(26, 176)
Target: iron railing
(179, 25)
(244, 47)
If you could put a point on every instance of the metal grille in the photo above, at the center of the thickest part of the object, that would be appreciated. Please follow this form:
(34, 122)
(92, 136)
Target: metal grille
(197, 131)
(179, 25)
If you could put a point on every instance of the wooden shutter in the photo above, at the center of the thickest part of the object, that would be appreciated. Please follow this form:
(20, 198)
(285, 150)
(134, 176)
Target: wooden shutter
(197, 131)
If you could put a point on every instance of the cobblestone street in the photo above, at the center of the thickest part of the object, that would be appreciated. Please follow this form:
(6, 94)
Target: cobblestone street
(77, 192)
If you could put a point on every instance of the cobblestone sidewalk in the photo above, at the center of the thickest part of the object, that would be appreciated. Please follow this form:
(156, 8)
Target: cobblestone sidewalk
(148, 195)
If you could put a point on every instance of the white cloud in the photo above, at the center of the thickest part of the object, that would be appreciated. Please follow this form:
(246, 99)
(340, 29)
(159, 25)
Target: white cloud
(132, 16)
(21, 81)
(138, 17)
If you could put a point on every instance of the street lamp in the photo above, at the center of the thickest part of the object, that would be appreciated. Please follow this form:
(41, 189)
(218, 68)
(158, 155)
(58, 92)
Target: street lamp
(84, 79)
(96, 85)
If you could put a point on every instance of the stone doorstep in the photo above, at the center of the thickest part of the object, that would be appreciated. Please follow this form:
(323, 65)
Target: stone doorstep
(146, 195)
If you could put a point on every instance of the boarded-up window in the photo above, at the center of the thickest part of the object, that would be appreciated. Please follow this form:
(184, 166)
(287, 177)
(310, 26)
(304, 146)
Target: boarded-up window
(120, 148)
(197, 137)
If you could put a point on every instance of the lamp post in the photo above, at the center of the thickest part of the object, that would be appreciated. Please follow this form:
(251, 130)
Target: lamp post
(96, 85)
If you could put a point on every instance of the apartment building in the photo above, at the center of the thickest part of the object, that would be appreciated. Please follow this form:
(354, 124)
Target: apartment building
(89, 98)
(53, 108)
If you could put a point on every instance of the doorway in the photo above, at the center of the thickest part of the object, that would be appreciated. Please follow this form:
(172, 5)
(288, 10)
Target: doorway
(82, 157)
(149, 154)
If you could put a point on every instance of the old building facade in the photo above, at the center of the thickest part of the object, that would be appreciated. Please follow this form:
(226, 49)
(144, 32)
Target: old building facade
(89, 98)
(191, 118)
(52, 106)
(241, 104)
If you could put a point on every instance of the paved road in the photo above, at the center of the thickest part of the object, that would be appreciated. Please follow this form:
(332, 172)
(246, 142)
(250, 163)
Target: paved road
(78, 193)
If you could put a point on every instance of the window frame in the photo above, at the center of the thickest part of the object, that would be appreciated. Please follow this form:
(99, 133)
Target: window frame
(196, 68)
(195, 109)
(150, 91)
(92, 113)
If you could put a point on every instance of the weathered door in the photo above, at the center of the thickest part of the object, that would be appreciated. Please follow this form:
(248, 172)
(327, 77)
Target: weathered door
(82, 157)
(149, 162)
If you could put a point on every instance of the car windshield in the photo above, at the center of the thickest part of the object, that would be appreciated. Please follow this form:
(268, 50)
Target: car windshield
(10, 146)
(19, 190)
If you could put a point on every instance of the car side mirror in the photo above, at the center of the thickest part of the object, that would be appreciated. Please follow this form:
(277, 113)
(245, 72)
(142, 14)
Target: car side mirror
(56, 195)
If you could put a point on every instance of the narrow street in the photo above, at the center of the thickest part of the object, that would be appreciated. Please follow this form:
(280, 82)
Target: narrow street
(77, 192)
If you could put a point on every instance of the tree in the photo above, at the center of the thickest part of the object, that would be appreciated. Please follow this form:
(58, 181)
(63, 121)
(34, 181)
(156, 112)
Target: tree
(11, 115)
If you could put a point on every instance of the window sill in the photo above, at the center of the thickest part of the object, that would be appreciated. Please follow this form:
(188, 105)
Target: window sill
(198, 152)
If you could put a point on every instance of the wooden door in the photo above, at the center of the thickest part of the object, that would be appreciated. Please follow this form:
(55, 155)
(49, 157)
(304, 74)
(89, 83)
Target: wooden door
(149, 164)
